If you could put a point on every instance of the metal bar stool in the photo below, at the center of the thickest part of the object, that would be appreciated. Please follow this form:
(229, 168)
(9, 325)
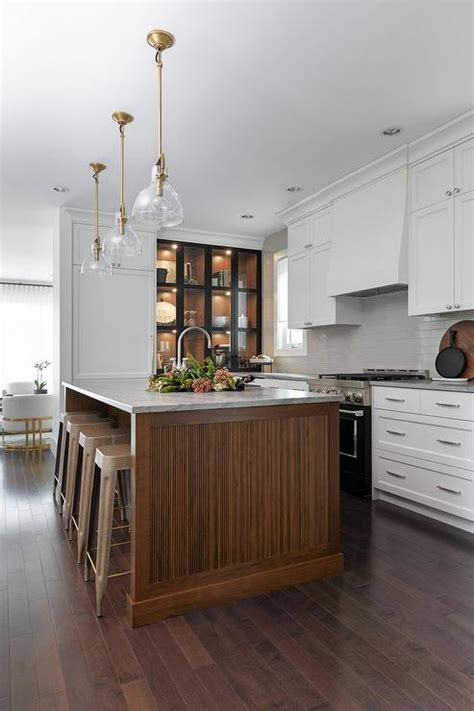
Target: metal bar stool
(109, 461)
(89, 440)
(73, 429)
(63, 448)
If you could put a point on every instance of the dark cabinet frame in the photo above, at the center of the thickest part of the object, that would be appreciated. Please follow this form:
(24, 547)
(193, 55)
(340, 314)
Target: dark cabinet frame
(236, 363)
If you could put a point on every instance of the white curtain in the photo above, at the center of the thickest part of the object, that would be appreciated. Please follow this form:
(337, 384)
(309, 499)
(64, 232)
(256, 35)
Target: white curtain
(26, 332)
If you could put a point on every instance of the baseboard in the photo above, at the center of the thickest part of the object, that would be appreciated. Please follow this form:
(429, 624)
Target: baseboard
(461, 523)
(216, 593)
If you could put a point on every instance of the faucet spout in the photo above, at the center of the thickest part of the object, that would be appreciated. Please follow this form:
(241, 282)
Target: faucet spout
(180, 341)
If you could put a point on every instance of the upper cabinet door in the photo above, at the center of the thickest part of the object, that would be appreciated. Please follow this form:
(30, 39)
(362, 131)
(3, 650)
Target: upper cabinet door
(298, 289)
(321, 227)
(432, 180)
(464, 167)
(299, 236)
(322, 308)
(431, 284)
(464, 251)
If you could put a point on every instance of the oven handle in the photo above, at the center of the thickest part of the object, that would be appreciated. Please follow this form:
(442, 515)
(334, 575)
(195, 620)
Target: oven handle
(356, 413)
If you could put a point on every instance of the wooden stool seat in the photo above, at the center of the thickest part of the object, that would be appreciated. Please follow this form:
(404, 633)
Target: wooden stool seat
(60, 469)
(73, 430)
(109, 461)
(89, 440)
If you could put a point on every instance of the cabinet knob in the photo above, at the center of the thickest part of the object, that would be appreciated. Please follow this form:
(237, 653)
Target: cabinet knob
(449, 307)
(456, 190)
(448, 193)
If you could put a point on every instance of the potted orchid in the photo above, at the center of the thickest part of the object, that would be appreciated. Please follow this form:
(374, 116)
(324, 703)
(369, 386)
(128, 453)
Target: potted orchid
(40, 384)
(194, 377)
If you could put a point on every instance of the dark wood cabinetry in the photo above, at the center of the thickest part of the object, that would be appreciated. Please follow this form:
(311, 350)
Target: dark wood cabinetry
(217, 288)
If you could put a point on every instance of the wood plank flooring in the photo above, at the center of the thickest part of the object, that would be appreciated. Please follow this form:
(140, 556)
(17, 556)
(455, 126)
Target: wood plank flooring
(395, 631)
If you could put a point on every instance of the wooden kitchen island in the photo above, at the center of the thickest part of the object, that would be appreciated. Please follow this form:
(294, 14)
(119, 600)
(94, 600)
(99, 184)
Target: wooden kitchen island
(233, 494)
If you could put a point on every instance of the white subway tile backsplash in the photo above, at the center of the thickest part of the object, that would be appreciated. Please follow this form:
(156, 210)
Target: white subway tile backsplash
(387, 338)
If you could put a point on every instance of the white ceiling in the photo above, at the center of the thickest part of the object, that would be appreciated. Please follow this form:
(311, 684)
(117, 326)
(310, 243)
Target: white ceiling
(258, 96)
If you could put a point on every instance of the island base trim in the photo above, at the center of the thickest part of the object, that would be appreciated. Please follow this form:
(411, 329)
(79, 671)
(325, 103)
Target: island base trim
(254, 583)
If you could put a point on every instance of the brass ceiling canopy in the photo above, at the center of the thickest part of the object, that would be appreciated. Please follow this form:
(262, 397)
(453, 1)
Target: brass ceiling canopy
(97, 167)
(160, 39)
(122, 118)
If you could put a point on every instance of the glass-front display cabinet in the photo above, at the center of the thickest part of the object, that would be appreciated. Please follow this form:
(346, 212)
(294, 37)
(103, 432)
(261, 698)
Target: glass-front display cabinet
(217, 288)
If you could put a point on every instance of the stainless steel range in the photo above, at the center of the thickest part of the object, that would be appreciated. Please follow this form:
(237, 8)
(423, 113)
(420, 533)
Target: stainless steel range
(356, 386)
(355, 421)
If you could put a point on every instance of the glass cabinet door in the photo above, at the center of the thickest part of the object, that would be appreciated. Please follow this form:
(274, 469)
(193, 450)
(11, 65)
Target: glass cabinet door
(247, 270)
(194, 265)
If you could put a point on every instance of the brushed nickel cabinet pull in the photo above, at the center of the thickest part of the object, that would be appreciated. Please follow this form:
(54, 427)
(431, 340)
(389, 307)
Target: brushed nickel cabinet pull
(450, 491)
(395, 399)
(448, 441)
(448, 404)
(396, 432)
(399, 476)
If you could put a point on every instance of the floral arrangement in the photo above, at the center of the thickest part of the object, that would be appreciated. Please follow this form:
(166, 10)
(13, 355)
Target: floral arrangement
(40, 384)
(194, 377)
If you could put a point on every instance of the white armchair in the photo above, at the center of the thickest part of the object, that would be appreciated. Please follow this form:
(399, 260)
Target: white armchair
(30, 415)
(20, 387)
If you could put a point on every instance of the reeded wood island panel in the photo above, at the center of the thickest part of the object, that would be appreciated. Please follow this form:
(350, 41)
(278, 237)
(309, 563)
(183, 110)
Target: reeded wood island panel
(233, 503)
(233, 494)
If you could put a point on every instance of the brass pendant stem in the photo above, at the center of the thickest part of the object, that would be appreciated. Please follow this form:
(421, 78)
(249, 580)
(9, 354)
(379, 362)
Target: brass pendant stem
(122, 180)
(159, 76)
(122, 118)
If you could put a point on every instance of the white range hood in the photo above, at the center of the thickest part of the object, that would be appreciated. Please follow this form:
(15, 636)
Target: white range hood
(369, 252)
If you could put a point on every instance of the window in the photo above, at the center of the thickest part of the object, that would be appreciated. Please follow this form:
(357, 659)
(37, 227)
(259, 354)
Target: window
(288, 341)
(26, 331)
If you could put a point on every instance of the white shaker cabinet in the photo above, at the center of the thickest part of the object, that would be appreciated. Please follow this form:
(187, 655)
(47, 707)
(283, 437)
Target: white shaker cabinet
(312, 231)
(464, 167)
(464, 250)
(431, 282)
(432, 180)
(308, 302)
(298, 289)
(113, 325)
(299, 236)
(442, 233)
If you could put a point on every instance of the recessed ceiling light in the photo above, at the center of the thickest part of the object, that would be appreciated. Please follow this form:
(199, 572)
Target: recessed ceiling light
(294, 189)
(59, 189)
(392, 131)
(247, 217)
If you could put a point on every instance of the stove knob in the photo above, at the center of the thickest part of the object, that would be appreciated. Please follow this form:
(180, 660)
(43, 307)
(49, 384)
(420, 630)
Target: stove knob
(347, 396)
(356, 397)
(332, 391)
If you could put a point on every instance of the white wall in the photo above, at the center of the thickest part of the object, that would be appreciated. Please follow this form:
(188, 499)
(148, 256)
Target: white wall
(26, 251)
(386, 338)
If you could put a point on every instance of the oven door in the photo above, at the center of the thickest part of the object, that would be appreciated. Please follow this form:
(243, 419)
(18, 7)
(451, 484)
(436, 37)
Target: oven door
(354, 447)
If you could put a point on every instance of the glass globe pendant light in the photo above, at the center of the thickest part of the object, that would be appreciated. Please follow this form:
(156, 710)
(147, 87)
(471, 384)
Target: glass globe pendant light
(121, 240)
(96, 263)
(159, 204)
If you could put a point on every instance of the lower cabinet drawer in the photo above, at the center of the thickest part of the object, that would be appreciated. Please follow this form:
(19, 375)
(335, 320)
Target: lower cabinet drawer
(397, 399)
(422, 482)
(426, 438)
(458, 406)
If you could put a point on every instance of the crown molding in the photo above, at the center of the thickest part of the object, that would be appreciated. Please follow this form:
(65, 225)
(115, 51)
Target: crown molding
(441, 138)
(177, 234)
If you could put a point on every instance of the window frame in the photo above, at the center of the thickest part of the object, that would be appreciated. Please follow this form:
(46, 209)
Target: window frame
(283, 352)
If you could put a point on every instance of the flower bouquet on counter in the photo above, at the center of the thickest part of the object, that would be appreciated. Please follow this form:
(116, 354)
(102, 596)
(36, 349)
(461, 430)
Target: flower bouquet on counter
(194, 377)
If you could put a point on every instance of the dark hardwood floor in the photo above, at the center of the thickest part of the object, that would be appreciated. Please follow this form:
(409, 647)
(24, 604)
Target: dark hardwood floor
(393, 632)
